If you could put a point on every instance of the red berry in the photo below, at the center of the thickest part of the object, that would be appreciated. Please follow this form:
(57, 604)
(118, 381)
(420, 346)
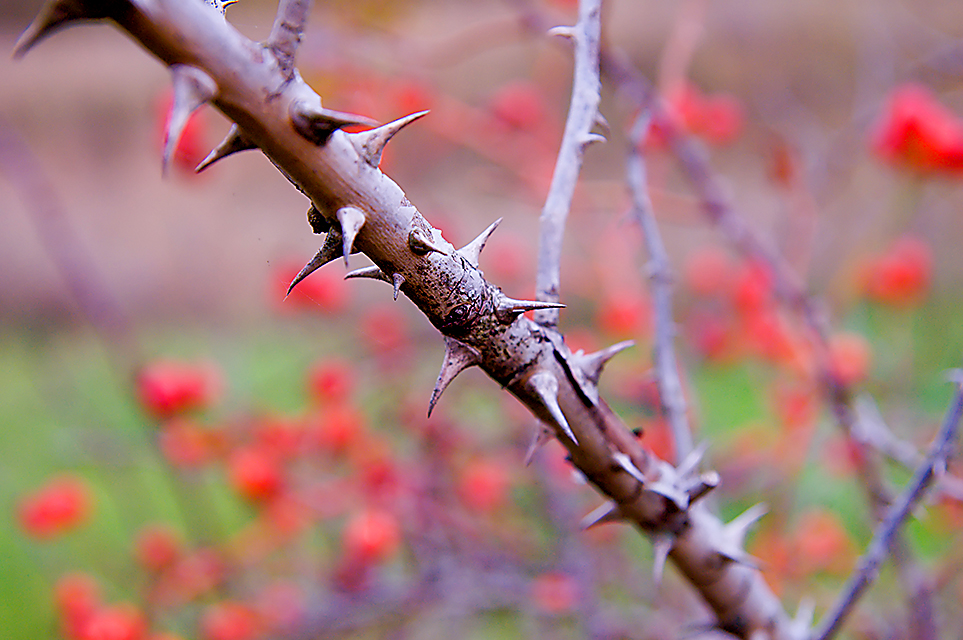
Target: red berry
(849, 358)
(901, 276)
(77, 597)
(229, 621)
(371, 535)
(519, 105)
(918, 133)
(555, 593)
(255, 474)
(168, 387)
(116, 622)
(60, 505)
(483, 485)
(331, 381)
(157, 547)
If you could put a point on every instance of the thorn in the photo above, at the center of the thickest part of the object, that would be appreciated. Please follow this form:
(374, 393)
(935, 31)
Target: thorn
(803, 621)
(545, 387)
(330, 250)
(231, 144)
(397, 280)
(592, 138)
(316, 124)
(374, 272)
(192, 88)
(593, 363)
(351, 219)
(662, 544)
(737, 529)
(473, 249)
(691, 462)
(707, 482)
(422, 242)
(458, 357)
(370, 144)
(54, 16)
(562, 32)
(541, 437)
(508, 309)
(626, 464)
(602, 123)
(605, 513)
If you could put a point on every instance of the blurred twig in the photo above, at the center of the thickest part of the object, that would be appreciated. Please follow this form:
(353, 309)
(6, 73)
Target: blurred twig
(63, 246)
(868, 566)
(670, 387)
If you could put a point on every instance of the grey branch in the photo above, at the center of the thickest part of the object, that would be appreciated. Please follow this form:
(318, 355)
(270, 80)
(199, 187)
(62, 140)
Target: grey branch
(670, 387)
(867, 569)
(582, 116)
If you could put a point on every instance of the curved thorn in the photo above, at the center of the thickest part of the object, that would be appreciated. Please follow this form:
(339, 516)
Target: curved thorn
(458, 357)
(316, 124)
(626, 464)
(608, 512)
(691, 462)
(602, 123)
(593, 363)
(707, 482)
(192, 88)
(330, 250)
(592, 138)
(662, 545)
(374, 272)
(423, 242)
(473, 249)
(397, 280)
(541, 437)
(351, 219)
(562, 32)
(545, 387)
(231, 144)
(54, 16)
(508, 309)
(371, 144)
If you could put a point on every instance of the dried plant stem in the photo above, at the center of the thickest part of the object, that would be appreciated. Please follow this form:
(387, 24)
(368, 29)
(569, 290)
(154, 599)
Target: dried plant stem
(363, 210)
(868, 566)
(670, 386)
(582, 115)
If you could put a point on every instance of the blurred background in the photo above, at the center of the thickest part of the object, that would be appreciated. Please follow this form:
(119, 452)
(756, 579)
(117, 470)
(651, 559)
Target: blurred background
(130, 301)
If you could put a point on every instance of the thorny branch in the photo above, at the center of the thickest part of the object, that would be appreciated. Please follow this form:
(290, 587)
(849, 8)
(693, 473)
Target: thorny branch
(670, 386)
(582, 116)
(868, 566)
(717, 208)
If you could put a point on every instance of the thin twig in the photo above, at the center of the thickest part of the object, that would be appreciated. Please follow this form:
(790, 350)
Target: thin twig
(582, 116)
(670, 387)
(868, 566)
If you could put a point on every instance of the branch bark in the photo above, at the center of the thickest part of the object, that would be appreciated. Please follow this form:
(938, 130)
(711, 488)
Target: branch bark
(363, 210)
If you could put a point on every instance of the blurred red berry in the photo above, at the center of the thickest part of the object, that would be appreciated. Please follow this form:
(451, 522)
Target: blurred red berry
(901, 276)
(518, 105)
(280, 437)
(483, 485)
(371, 535)
(186, 444)
(918, 133)
(849, 358)
(255, 473)
(331, 381)
(60, 505)
(717, 119)
(157, 547)
(337, 428)
(229, 621)
(77, 597)
(169, 387)
(555, 593)
(752, 287)
(116, 622)
(324, 291)
(708, 272)
(193, 575)
(625, 314)
(822, 543)
(384, 327)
